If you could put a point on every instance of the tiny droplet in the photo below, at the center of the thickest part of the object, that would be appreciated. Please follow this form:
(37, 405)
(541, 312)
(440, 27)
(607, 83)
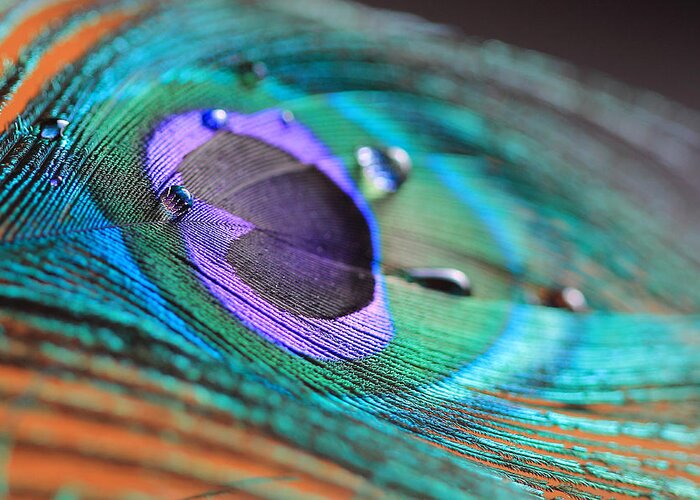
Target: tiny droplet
(177, 200)
(252, 72)
(565, 298)
(442, 279)
(52, 128)
(214, 118)
(286, 117)
(56, 181)
(384, 170)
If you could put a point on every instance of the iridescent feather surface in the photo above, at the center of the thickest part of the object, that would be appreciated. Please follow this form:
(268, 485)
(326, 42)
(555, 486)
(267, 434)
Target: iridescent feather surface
(307, 249)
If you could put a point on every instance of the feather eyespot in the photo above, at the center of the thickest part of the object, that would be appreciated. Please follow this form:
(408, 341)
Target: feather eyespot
(278, 232)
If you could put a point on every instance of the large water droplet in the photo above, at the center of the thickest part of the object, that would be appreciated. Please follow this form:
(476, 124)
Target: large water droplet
(442, 279)
(384, 170)
(56, 181)
(52, 128)
(177, 200)
(214, 118)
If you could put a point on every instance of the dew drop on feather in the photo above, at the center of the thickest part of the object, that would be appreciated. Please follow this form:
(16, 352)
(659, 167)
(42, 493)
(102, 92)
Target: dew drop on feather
(177, 200)
(52, 128)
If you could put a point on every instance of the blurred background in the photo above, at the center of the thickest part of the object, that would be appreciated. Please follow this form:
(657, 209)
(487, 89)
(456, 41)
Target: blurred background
(653, 45)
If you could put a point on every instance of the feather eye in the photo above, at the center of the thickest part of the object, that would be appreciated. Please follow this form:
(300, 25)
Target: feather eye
(278, 233)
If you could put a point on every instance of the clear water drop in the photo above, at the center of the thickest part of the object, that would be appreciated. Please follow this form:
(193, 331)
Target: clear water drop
(177, 200)
(286, 117)
(384, 170)
(214, 118)
(56, 181)
(442, 279)
(52, 128)
(567, 297)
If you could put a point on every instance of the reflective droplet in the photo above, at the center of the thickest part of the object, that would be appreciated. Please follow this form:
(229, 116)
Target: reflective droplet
(252, 72)
(56, 181)
(177, 200)
(286, 117)
(442, 279)
(384, 170)
(565, 298)
(52, 128)
(214, 118)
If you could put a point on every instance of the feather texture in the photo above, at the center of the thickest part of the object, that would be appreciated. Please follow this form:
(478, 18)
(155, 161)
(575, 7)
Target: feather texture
(264, 341)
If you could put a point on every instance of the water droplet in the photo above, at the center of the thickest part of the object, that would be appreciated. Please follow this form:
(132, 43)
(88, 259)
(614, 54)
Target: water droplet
(177, 200)
(384, 170)
(447, 280)
(52, 128)
(56, 181)
(286, 117)
(565, 298)
(214, 118)
(252, 72)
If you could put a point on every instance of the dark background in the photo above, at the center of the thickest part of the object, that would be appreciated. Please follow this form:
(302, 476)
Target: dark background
(653, 45)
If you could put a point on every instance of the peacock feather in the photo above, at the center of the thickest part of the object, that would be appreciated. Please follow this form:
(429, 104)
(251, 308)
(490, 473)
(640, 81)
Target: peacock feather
(308, 249)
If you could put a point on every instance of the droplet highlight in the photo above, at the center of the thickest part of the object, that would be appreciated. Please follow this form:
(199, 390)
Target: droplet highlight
(177, 200)
(384, 170)
(442, 279)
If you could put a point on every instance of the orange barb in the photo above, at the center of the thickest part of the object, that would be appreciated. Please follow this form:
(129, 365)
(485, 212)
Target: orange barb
(30, 27)
(62, 53)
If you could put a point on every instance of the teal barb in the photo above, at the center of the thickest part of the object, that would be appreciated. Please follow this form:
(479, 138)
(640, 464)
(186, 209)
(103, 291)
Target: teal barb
(222, 305)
